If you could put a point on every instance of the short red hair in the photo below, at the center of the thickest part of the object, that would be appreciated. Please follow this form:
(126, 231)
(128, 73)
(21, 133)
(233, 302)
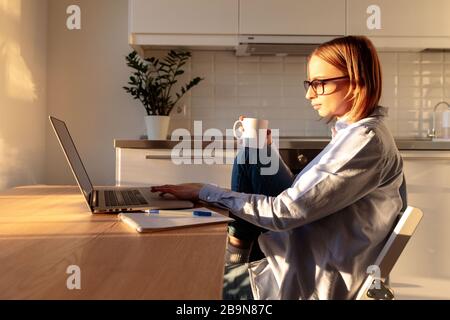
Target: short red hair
(357, 57)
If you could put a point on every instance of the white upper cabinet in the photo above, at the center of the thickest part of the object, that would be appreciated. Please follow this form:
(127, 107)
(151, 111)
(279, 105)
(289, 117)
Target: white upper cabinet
(183, 22)
(292, 17)
(216, 24)
(184, 16)
(401, 23)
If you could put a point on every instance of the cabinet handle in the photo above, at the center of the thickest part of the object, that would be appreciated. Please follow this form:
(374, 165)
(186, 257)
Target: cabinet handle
(167, 157)
(158, 157)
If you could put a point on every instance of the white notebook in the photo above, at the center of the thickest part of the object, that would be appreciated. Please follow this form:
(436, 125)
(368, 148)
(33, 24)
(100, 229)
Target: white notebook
(169, 219)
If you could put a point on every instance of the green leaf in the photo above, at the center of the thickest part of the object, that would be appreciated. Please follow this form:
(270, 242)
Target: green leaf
(152, 80)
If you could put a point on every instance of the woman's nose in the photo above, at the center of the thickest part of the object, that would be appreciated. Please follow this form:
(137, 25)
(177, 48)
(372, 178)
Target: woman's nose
(310, 94)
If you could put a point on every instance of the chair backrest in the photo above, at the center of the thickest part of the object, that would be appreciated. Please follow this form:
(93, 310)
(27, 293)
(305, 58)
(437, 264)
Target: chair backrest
(404, 229)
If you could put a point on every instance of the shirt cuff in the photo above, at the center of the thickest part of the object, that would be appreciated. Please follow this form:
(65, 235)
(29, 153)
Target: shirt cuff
(210, 193)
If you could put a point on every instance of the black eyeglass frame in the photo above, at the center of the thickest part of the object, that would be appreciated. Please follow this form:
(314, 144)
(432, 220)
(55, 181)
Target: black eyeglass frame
(322, 82)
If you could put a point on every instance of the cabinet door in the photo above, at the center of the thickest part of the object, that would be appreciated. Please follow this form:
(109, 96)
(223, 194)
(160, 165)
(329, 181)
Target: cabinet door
(184, 17)
(401, 18)
(292, 17)
(428, 186)
(145, 166)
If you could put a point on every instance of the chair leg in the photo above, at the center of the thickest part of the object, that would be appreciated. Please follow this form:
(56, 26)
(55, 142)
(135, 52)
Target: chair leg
(384, 292)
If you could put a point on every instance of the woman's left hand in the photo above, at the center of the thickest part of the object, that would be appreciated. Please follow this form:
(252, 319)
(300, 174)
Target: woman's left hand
(185, 191)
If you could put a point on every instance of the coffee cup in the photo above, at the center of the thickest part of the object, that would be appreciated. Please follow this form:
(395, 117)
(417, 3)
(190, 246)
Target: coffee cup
(252, 131)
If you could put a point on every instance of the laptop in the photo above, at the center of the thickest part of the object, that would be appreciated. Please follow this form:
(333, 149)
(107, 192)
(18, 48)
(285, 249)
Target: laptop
(110, 199)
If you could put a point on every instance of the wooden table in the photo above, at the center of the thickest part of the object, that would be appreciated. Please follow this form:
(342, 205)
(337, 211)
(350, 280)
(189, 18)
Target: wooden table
(45, 229)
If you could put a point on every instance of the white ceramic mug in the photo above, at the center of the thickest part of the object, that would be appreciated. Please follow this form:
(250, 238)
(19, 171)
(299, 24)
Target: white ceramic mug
(253, 131)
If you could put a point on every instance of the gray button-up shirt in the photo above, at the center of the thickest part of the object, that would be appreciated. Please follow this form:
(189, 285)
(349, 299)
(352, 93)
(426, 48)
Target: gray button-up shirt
(330, 225)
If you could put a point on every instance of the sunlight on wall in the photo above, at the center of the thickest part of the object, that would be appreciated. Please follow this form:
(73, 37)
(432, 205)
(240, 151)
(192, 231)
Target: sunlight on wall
(22, 60)
(19, 80)
(17, 77)
(13, 8)
(8, 163)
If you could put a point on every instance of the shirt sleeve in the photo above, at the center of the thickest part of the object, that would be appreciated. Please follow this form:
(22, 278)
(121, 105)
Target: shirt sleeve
(348, 171)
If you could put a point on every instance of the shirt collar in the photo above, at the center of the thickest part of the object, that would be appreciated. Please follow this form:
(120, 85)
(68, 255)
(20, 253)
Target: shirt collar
(342, 123)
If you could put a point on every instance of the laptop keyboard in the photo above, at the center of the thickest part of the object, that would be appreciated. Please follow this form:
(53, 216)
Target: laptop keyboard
(124, 198)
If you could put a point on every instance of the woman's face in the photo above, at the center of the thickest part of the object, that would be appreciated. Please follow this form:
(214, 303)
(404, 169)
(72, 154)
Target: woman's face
(329, 100)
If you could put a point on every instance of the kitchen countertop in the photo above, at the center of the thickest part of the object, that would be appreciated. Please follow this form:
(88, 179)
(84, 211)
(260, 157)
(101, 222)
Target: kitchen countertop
(286, 143)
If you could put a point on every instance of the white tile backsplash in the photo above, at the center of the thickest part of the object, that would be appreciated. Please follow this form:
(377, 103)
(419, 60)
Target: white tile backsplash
(226, 79)
(432, 57)
(248, 67)
(295, 68)
(271, 102)
(228, 67)
(272, 88)
(223, 91)
(271, 79)
(248, 79)
(447, 68)
(408, 69)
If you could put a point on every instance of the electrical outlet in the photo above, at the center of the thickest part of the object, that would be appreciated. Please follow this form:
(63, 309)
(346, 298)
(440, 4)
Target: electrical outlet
(180, 111)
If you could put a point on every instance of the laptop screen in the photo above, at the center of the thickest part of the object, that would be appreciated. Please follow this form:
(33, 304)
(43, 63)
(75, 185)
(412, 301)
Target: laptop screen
(72, 156)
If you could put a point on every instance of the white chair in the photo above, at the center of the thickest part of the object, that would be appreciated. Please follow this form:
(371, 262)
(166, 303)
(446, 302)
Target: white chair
(374, 287)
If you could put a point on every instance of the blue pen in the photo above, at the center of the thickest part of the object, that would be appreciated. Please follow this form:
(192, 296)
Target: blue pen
(202, 213)
(198, 213)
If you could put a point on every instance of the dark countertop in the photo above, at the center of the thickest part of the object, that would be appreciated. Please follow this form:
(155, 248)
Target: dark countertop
(287, 143)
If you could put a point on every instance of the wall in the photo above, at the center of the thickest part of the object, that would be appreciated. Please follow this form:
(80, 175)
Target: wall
(85, 77)
(23, 53)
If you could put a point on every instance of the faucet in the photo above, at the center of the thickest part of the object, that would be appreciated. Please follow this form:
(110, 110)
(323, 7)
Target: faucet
(432, 132)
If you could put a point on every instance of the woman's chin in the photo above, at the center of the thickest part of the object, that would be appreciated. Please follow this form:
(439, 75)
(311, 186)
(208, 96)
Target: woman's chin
(322, 113)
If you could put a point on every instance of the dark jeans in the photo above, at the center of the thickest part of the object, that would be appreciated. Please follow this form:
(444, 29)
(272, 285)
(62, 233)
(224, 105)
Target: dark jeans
(236, 283)
(247, 178)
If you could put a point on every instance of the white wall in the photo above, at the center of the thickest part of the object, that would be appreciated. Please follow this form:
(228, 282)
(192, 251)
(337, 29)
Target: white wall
(23, 54)
(86, 72)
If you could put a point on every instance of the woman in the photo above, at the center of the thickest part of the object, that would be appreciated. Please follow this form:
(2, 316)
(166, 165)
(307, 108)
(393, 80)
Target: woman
(328, 224)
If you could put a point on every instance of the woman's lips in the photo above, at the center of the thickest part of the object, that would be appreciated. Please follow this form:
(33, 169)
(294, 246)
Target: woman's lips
(316, 106)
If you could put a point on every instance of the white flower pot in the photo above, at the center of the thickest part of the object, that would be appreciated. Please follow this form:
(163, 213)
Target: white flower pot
(157, 127)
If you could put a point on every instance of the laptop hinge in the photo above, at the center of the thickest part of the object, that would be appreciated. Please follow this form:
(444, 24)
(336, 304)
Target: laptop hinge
(93, 198)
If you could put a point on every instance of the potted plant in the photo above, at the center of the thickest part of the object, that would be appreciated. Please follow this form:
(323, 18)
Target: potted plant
(151, 83)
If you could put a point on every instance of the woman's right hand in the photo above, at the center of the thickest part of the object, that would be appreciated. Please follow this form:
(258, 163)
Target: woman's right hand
(269, 132)
(184, 191)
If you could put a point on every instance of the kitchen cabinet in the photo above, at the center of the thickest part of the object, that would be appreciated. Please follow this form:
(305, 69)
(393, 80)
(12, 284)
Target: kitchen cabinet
(209, 24)
(292, 17)
(155, 166)
(184, 17)
(428, 183)
(217, 24)
(404, 23)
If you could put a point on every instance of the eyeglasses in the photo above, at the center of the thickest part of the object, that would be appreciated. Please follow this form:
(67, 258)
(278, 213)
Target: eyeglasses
(318, 85)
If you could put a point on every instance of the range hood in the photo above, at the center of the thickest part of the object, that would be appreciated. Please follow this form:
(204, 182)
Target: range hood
(280, 45)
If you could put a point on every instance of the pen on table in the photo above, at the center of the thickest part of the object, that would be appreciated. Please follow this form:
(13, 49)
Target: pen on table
(178, 213)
